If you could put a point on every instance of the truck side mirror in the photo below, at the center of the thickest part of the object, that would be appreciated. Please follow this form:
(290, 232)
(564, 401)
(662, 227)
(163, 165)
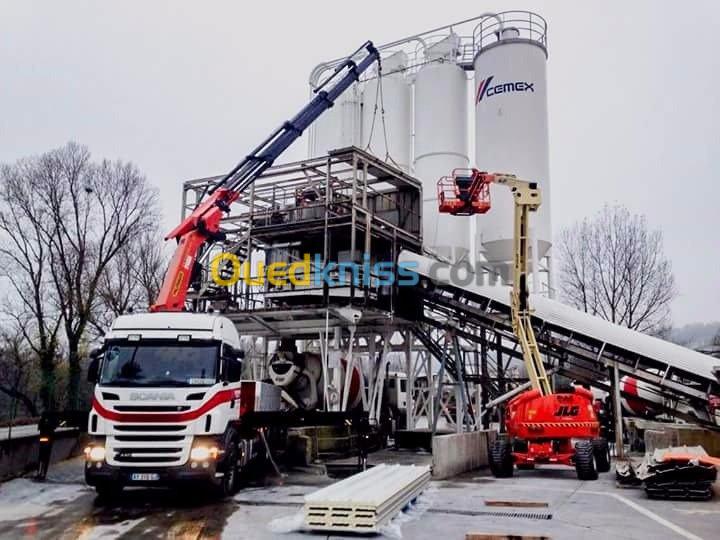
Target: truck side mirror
(94, 367)
(93, 370)
(232, 370)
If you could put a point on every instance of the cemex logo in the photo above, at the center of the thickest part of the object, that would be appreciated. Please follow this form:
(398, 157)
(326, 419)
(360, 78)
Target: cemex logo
(487, 89)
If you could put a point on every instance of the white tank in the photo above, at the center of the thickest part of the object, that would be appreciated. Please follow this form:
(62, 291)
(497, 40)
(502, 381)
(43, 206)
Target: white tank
(397, 102)
(441, 145)
(511, 135)
(339, 126)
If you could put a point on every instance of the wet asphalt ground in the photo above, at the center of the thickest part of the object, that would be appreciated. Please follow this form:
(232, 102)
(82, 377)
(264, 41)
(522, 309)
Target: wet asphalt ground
(63, 507)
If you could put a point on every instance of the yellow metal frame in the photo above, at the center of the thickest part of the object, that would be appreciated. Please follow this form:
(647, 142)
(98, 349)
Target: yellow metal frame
(526, 196)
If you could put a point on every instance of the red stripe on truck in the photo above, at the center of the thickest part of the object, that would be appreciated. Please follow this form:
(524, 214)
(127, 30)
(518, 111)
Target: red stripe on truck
(218, 399)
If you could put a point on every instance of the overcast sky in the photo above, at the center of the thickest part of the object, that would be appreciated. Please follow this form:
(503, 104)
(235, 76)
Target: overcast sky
(184, 89)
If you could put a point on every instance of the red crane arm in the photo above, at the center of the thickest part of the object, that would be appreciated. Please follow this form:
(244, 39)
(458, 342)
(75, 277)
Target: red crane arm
(191, 234)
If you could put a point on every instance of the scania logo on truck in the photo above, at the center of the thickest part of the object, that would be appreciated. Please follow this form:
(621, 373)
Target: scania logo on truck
(488, 89)
(152, 396)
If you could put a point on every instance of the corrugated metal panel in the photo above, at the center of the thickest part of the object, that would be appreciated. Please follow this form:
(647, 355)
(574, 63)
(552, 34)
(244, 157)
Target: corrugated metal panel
(580, 322)
(365, 501)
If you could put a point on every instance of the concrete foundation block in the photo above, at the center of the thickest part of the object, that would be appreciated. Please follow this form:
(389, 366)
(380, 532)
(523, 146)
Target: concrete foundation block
(682, 435)
(655, 439)
(20, 455)
(457, 453)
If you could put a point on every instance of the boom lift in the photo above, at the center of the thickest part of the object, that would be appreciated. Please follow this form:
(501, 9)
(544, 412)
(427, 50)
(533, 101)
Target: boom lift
(203, 225)
(541, 425)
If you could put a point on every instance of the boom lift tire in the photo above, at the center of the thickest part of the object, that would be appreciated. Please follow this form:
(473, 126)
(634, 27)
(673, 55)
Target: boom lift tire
(585, 460)
(501, 458)
(602, 454)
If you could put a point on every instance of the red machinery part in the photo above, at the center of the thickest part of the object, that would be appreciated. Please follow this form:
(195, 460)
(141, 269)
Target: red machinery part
(550, 423)
(465, 192)
(681, 457)
(191, 234)
(639, 399)
(560, 452)
(356, 384)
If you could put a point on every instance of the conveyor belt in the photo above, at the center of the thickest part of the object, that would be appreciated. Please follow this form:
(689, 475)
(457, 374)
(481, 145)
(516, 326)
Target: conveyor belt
(674, 371)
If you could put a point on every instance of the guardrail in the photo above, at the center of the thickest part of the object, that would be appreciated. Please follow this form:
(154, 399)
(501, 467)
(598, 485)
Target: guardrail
(21, 453)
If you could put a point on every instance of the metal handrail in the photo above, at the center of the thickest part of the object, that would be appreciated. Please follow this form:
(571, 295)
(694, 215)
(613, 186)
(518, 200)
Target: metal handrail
(530, 26)
(424, 39)
(485, 32)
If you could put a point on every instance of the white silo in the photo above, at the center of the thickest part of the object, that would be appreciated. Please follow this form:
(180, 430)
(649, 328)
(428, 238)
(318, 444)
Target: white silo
(396, 100)
(339, 126)
(441, 145)
(511, 132)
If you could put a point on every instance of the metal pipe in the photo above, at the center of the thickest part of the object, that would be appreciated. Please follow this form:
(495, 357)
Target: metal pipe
(617, 406)
(409, 383)
(349, 366)
(508, 395)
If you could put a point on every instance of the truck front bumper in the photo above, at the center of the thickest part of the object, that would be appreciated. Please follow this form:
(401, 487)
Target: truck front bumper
(105, 474)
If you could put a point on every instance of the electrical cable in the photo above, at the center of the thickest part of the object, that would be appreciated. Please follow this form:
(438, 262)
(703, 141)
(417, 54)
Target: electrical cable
(269, 454)
(368, 147)
(384, 126)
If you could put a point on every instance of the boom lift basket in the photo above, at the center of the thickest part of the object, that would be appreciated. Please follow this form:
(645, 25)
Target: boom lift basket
(464, 193)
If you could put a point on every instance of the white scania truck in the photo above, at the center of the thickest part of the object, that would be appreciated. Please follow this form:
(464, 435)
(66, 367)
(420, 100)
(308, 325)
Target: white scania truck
(169, 404)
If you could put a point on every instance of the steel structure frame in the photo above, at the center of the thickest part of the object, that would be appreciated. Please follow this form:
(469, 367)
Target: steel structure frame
(371, 206)
(338, 206)
(456, 349)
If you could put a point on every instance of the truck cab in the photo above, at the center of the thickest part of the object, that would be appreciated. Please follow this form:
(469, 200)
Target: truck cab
(169, 402)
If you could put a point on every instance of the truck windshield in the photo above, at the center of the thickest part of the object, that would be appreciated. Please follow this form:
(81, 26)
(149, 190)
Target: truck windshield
(160, 364)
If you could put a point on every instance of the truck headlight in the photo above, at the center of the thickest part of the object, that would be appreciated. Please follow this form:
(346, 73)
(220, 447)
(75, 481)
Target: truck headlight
(204, 453)
(95, 453)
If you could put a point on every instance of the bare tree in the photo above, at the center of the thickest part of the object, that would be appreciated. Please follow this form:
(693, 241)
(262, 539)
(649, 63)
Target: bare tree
(614, 267)
(17, 370)
(85, 213)
(131, 282)
(24, 258)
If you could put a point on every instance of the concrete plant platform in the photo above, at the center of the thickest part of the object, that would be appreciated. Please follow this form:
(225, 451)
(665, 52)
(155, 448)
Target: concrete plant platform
(65, 508)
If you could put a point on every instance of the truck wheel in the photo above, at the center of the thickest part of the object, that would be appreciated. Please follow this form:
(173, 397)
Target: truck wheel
(108, 492)
(585, 460)
(501, 459)
(229, 481)
(601, 450)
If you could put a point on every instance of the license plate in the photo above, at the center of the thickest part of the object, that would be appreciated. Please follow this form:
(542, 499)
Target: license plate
(145, 477)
